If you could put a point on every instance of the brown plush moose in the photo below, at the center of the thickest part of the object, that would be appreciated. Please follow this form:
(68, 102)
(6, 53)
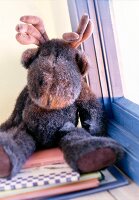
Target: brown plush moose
(47, 110)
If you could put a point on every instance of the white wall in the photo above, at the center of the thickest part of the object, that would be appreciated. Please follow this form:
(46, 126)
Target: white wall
(12, 74)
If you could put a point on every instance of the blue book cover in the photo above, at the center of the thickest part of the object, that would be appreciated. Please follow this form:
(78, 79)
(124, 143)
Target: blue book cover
(113, 178)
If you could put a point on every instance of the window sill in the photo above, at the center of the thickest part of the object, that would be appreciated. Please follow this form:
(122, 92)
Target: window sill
(126, 114)
(129, 164)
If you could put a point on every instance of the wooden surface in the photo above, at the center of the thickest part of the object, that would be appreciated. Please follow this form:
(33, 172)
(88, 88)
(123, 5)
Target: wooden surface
(129, 192)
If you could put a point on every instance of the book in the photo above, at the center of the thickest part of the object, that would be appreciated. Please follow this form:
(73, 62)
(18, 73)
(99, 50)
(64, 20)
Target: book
(46, 173)
(45, 157)
(47, 176)
(113, 178)
(52, 162)
(38, 192)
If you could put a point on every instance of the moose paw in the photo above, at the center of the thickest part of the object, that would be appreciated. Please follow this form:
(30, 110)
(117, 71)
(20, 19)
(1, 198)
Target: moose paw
(96, 160)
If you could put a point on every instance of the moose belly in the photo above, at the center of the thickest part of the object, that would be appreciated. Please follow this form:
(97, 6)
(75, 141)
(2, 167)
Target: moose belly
(44, 125)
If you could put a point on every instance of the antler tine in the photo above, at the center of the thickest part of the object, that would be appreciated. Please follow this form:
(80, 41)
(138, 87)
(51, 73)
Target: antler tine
(28, 34)
(86, 34)
(83, 24)
(26, 39)
(32, 32)
(83, 32)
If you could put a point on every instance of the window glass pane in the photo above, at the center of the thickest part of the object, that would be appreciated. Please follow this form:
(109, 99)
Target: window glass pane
(125, 19)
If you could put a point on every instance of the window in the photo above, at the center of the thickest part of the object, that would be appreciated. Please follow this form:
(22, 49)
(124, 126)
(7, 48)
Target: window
(126, 32)
(125, 123)
(105, 77)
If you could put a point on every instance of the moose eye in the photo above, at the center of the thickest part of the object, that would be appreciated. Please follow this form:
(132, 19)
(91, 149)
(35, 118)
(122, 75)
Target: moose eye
(40, 82)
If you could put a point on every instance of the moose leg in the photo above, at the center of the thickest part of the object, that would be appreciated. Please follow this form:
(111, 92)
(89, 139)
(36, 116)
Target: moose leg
(86, 153)
(15, 148)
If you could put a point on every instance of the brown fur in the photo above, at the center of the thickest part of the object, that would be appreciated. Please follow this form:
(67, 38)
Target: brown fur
(54, 74)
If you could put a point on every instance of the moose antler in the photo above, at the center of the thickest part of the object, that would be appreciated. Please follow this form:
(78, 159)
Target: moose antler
(32, 32)
(83, 32)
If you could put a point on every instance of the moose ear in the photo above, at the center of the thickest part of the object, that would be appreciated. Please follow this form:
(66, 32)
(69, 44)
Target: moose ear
(82, 62)
(28, 56)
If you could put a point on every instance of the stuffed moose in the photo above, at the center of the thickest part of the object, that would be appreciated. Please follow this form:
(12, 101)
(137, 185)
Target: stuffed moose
(47, 110)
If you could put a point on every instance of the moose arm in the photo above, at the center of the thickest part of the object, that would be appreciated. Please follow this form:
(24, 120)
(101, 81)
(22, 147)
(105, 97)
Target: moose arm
(16, 116)
(90, 112)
